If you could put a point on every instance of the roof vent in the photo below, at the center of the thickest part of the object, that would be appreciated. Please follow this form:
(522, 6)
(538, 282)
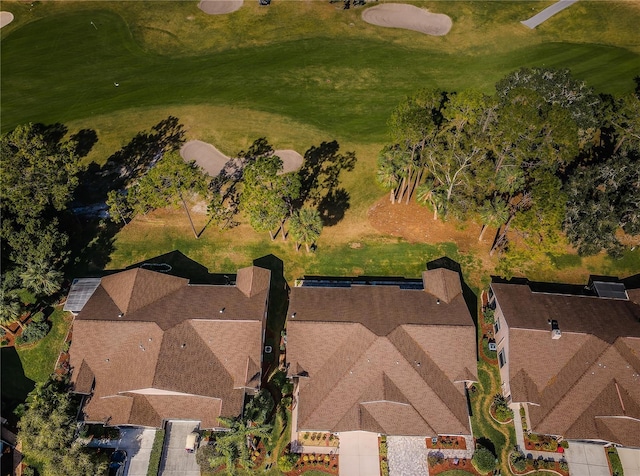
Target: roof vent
(121, 314)
(222, 310)
(293, 315)
(437, 301)
(555, 330)
(183, 346)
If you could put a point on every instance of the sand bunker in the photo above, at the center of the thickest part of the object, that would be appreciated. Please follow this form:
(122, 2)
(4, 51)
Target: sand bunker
(219, 7)
(212, 161)
(398, 15)
(5, 18)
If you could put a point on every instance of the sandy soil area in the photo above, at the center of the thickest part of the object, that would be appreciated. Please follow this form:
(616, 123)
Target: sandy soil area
(409, 17)
(5, 18)
(212, 161)
(219, 7)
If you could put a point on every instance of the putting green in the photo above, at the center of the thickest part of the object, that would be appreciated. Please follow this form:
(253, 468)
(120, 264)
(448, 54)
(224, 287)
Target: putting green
(66, 66)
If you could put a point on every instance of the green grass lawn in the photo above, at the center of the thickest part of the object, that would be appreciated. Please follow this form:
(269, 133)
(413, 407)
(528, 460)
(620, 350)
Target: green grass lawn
(58, 67)
(24, 366)
(39, 359)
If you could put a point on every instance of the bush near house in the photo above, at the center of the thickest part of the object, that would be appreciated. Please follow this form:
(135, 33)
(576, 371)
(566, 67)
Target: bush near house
(156, 454)
(483, 460)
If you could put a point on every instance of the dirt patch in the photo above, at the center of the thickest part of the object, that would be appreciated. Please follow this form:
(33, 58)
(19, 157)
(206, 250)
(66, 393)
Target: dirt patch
(219, 7)
(415, 223)
(408, 17)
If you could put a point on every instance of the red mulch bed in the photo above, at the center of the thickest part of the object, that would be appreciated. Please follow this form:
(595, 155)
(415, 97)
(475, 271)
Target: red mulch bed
(448, 465)
(447, 443)
(301, 466)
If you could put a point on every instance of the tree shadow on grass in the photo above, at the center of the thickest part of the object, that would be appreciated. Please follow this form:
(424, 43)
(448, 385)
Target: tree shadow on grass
(333, 206)
(85, 139)
(15, 384)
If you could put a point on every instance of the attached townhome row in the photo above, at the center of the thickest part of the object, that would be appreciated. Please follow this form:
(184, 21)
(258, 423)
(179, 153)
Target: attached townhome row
(367, 356)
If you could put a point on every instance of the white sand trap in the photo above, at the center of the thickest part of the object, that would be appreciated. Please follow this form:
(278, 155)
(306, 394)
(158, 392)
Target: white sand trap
(5, 18)
(219, 7)
(409, 17)
(212, 161)
(291, 160)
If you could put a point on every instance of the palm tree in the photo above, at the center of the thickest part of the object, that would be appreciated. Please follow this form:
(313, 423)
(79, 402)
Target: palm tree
(493, 214)
(429, 194)
(388, 178)
(305, 227)
(41, 278)
(232, 446)
(10, 311)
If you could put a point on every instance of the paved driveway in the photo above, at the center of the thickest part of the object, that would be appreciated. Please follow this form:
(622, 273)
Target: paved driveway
(630, 459)
(175, 460)
(137, 442)
(587, 459)
(359, 453)
(407, 456)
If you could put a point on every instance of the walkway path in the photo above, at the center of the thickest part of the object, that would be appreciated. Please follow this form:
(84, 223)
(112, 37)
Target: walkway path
(517, 423)
(547, 13)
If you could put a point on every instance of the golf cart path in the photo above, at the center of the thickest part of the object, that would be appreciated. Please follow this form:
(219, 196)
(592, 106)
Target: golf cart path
(547, 13)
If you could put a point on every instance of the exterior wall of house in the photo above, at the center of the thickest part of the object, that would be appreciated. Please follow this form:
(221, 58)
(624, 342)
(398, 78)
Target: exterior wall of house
(501, 333)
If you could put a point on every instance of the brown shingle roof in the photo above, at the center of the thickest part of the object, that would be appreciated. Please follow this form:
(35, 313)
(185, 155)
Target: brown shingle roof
(582, 377)
(442, 283)
(201, 344)
(381, 358)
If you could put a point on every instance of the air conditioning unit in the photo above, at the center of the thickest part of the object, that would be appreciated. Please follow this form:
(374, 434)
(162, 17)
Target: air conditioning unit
(556, 334)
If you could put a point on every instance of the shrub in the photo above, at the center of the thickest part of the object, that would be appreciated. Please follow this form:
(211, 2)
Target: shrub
(489, 316)
(156, 453)
(518, 461)
(533, 437)
(287, 462)
(287, 388)
(484, 460)
(33, 332)
(384, 468)
(564, 444)
(383, 447)
(38, 317)
(435, 457)
(564, 465)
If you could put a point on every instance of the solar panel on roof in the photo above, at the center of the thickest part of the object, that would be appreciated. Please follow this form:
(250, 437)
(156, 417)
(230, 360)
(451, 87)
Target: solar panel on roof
(610, 290)
(81, 290)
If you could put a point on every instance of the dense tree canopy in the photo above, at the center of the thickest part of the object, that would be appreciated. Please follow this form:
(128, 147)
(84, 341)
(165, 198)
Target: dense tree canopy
(525, 158)
(47, 432)
(39, 175)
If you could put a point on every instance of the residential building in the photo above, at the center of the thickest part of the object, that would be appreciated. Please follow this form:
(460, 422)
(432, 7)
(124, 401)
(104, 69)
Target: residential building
(149, 347)
(388, 357)
(570, 356)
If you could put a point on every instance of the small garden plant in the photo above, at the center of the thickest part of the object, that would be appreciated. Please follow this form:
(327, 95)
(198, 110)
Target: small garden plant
(500, 410)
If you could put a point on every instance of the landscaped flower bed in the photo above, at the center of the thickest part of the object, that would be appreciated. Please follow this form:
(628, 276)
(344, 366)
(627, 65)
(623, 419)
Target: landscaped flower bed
(536, 442)
(316, 462)
(317, 438)
(439, 464)
(521, 464)
(447, 443)
(382, 452)
(500, 411)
